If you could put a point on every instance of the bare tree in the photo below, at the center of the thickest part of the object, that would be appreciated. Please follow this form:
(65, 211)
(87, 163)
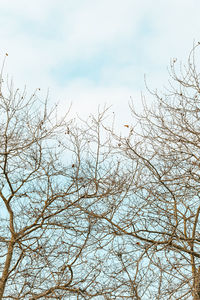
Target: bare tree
(59, 182)
(161, 223)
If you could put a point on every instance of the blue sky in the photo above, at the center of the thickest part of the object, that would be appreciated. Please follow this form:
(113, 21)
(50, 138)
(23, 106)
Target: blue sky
(91, 52)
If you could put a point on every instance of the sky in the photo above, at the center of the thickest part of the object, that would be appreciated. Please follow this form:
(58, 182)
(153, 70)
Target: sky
(95, 52)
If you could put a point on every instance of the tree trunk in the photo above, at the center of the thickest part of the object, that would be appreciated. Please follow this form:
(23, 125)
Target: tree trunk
(197, 285)
(6, 268)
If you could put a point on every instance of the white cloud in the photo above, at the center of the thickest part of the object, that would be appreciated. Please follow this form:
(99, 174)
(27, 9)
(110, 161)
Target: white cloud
(139, 35)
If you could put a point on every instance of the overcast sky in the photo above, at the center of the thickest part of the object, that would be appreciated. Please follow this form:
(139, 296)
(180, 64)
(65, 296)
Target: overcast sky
(92, 52)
